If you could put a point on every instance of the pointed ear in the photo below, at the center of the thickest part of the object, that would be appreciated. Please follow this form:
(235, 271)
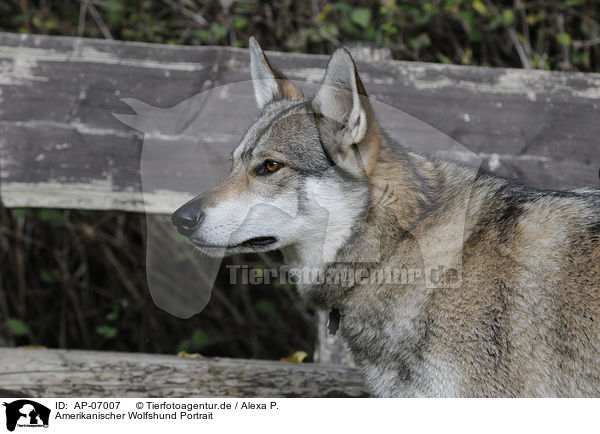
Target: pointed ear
(342, 98)
(269, 83)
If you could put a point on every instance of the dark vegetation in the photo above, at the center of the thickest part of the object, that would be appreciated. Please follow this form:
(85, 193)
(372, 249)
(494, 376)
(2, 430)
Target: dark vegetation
(76, 279)
(546, 34)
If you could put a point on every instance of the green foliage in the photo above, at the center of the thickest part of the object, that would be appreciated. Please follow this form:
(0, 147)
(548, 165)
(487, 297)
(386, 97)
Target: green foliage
(508, 17)
(19, 212)
(114, 10)
(49, 277)
(51, 215)
(85, 286)
(18, 327)
(240, 23)
(450, 31)
(564, 39)
(480, 7)
(106, 331)
(195, 343)
(268, 309)
(113, 315)
(361, 16)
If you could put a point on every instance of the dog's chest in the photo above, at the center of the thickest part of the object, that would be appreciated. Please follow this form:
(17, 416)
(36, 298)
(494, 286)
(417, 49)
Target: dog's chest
(390, 341)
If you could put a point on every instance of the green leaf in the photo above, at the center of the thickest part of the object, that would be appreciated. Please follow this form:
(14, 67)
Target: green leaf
(534, 19)
(329, 31)
(508, 16)
(370, 33)
(389, 28)
(18, 327)
(46, 277)
(115, 17)
(107, 331)
(564, 39)
(220, 31)
(53, 25)
(113, 314)
(540, 62)
(479, 7)
(239, 23)
(199, 340)
(419, 41)
(268, 309)
(245, 6)
(184, 345)
(494, 23)
(343, 7)
(203, 35)
(581, 58)
(195, 343)
(361, 16)
(448, 4)
(51, 215)
(19, 212)
(443, 58)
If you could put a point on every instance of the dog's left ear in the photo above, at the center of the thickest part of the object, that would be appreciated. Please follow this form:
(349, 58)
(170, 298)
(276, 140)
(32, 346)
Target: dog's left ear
(346, 114)
(269, 83)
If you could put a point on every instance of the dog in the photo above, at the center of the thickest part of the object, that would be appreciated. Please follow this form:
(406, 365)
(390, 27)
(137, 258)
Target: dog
(514, 310)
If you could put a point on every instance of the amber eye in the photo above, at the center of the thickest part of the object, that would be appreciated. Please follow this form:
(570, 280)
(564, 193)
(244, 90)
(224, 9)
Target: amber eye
(272, 166)
(268, 167)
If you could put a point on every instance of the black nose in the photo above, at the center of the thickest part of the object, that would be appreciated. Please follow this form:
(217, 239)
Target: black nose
(188, 216)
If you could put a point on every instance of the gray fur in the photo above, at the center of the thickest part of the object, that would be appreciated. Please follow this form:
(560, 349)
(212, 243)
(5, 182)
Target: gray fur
(517, 312)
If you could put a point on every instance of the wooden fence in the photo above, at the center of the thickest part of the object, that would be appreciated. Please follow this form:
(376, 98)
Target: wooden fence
(61, 146)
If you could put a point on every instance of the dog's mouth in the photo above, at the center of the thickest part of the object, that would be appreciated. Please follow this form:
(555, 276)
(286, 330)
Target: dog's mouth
(259, 241)
(252, 242)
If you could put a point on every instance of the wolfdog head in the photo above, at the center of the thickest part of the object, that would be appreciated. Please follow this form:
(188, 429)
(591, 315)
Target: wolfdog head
(298, 179)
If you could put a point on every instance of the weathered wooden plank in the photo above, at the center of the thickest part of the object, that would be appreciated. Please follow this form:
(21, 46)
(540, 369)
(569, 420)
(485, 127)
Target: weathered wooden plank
(70, 373)
(60, 143)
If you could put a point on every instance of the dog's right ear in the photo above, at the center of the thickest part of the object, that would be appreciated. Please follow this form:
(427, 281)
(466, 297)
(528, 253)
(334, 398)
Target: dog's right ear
(269, 83)
(340, 97)
(346, 113)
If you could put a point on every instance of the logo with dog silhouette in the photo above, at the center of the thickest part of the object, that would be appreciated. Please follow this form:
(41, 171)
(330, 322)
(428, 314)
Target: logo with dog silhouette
(25, 413)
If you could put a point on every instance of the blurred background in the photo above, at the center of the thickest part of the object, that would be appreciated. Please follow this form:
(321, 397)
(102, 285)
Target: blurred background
(76, 279)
